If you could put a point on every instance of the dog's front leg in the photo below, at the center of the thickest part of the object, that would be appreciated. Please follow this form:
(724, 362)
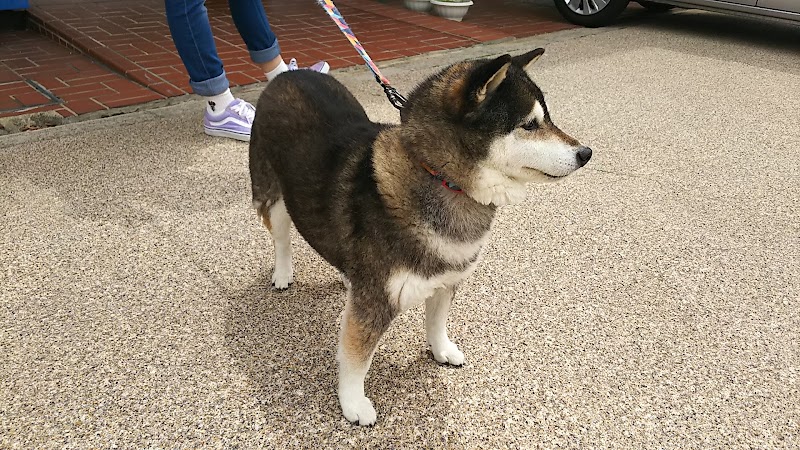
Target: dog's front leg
(360, 332)
(437, 308)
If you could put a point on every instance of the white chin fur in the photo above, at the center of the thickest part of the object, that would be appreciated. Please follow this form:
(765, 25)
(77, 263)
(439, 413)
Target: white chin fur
(493, 187)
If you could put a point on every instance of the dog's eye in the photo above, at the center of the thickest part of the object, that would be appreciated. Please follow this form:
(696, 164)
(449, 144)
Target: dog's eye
(530, 126)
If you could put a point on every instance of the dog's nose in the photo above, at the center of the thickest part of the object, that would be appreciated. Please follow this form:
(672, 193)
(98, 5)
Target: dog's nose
(584, 155)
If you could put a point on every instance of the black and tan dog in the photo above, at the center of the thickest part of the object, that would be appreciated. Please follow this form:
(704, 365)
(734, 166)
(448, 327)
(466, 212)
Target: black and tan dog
(401, 211)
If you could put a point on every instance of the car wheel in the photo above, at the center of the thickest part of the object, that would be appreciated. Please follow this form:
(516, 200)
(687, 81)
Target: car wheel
(591, 13)
(655, 7)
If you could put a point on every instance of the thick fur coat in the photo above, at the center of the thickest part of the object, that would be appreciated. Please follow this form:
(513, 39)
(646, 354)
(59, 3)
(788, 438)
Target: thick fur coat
(365, 197)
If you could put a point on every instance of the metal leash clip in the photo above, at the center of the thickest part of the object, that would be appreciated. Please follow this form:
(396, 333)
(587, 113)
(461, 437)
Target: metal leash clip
(395, 98)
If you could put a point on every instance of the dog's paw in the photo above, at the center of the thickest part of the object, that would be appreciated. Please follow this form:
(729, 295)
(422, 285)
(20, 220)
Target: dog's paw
(358, 410)
(448, 354)
(282, 278)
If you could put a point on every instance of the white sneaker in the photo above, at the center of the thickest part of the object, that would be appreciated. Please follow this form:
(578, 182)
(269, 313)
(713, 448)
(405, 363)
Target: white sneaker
(233, 122)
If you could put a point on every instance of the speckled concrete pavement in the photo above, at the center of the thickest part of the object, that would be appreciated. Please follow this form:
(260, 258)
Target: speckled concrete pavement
(649, 301)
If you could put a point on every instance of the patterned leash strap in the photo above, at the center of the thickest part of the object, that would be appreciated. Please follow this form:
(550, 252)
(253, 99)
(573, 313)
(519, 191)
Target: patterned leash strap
(395, 98)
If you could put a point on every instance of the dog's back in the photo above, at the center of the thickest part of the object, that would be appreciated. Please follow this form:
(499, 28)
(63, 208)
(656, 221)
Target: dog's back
(315, 133)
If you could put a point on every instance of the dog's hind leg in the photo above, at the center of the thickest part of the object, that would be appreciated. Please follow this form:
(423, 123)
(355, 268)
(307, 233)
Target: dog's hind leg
(437, 307)
(359, 335)
(269, 204)
(276, 219)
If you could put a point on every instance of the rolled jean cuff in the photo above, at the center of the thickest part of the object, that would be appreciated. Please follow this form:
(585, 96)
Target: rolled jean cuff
(213, 86)
(266, 55)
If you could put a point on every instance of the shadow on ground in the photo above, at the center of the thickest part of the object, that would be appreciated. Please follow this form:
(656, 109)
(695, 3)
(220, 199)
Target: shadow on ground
(285, 344)
(680, 29)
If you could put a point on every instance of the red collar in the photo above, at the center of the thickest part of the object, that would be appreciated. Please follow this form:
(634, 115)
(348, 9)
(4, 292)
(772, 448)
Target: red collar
(448, 185)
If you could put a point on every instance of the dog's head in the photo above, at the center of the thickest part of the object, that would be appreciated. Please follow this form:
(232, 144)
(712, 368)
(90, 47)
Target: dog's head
(485, 126)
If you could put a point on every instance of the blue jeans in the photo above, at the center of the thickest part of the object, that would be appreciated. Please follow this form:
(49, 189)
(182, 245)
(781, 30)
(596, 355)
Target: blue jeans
(191, 32)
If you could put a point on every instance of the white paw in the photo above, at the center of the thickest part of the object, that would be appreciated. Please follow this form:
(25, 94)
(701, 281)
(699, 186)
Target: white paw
(358, 410)
(448, 354)
(282, 277)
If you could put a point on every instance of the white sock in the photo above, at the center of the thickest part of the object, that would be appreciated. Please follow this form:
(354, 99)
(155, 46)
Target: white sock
(282, 67)
(215, 104)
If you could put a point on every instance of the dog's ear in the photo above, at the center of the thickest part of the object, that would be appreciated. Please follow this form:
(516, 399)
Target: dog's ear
(526, 60)
(488, 77)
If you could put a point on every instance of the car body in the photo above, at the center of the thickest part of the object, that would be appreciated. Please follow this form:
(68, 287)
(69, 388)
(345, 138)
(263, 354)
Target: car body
(597, 13)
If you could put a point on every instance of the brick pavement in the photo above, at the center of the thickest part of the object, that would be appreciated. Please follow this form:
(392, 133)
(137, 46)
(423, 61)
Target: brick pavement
(29, 62)
(110, 53)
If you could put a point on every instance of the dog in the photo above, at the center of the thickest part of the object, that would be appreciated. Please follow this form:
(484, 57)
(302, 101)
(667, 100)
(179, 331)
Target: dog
(402, 211)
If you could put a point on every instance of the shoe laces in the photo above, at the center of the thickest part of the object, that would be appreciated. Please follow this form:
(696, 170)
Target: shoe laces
(245, 110)
(293, 64)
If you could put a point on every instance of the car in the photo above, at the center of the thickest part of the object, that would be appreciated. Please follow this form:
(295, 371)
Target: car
(598, 13)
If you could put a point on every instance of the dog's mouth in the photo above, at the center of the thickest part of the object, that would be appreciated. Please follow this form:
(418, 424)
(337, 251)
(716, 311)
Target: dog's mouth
(545, 175)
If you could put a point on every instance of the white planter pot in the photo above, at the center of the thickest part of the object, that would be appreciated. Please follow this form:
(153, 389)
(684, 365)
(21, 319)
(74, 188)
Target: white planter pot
(418, 5)
(451, 10)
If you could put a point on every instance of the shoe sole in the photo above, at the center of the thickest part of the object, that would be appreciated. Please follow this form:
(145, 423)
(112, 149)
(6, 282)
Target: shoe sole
(228, 134)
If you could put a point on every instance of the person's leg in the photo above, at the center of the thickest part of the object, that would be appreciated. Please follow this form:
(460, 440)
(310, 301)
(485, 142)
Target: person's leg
(251, 21)
(191, 33)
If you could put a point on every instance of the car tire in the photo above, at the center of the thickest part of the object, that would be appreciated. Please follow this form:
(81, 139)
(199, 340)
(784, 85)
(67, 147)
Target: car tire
(601, 17)
(655, 7)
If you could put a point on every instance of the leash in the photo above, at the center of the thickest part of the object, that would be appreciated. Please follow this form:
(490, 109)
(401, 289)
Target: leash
(395, 98)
